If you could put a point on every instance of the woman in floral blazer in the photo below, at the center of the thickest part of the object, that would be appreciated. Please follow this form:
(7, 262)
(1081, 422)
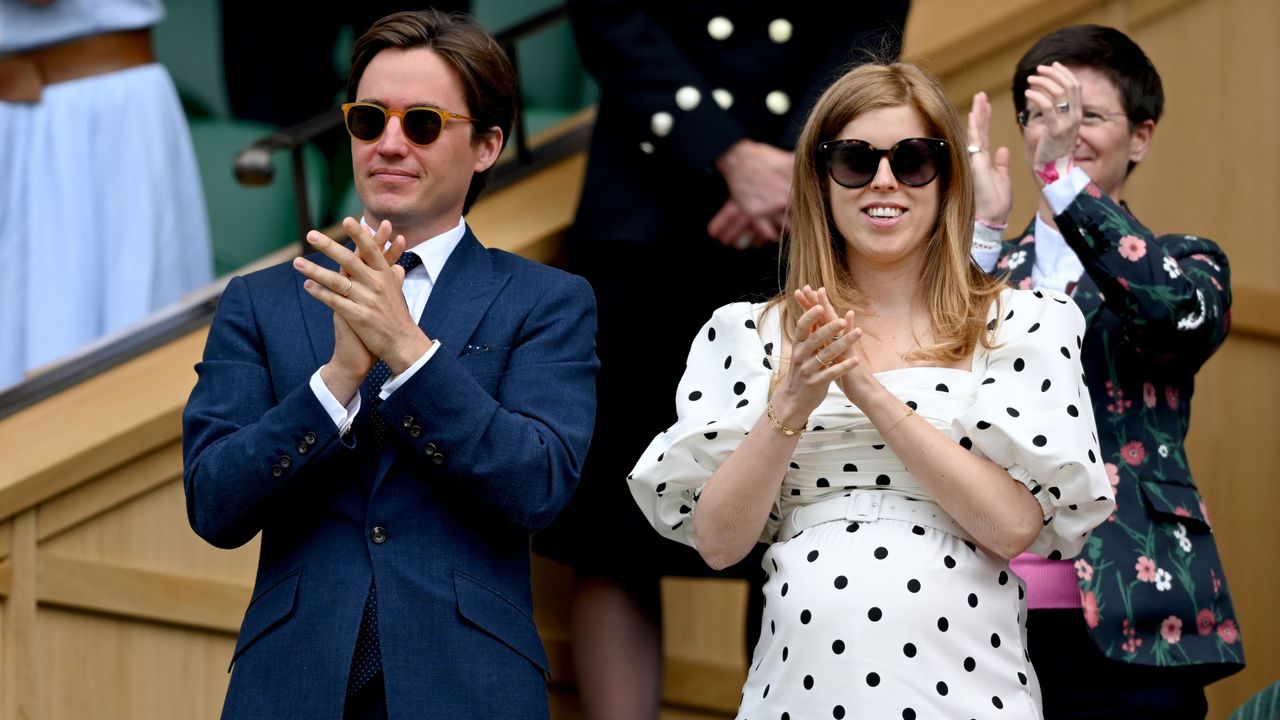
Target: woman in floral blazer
(1143, 614)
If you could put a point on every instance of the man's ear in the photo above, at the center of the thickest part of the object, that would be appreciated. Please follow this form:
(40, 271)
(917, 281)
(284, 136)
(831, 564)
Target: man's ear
(1140, 140)
(489, 146)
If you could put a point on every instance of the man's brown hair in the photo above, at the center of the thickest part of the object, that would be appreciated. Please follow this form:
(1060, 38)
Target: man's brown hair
(486, 74)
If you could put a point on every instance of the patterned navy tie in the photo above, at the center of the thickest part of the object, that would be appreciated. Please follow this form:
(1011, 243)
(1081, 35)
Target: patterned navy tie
(366, 661)
(380, 372)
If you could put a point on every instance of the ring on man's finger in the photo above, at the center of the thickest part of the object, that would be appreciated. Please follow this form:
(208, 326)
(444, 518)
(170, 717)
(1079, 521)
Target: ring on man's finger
(350, 284)
(1063, 107)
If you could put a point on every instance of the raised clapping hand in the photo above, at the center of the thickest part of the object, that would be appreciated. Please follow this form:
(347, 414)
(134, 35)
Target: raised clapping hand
(993, 189)
(857, 382)
(370, 318)
(1054, 99)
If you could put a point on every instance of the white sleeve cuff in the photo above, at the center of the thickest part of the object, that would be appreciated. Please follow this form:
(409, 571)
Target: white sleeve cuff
(394, 383)
(986, 246)
(1062, 192)
(341, 416)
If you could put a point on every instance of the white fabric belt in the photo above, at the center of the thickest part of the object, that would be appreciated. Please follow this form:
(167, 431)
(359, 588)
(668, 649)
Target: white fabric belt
(869, 506)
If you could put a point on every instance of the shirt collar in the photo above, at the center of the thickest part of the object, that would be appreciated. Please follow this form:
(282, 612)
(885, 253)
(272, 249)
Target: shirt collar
(1050, 245)
(434, 251)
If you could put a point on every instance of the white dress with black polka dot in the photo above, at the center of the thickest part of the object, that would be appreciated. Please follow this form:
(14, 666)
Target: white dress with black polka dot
(890, 618)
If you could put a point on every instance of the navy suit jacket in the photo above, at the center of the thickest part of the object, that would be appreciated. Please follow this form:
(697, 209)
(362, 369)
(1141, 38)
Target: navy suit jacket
(485, 447)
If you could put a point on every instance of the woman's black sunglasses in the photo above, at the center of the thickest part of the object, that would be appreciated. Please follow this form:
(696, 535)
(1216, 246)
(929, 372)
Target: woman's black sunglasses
(914, 161)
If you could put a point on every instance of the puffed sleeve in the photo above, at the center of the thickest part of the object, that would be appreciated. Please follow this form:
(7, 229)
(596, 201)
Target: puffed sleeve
(721, 396)
(1032, 416)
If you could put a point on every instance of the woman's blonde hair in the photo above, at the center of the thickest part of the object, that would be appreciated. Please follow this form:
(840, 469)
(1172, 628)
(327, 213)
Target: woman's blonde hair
(957, 293)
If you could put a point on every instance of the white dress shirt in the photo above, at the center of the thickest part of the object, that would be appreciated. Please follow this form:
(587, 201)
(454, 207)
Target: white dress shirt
(418, 284)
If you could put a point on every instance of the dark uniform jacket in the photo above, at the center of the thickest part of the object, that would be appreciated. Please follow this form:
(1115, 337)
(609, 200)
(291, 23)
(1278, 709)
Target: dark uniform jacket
(682, 81)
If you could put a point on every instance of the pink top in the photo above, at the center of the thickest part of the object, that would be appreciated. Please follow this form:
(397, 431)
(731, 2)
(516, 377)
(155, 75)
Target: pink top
(1051, 584)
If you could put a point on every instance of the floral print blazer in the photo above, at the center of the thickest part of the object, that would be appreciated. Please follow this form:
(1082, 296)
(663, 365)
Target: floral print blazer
(1155, 309)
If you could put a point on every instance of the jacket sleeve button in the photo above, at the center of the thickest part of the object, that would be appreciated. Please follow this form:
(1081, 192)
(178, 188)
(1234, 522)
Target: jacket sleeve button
(276, 471)
(284, 461)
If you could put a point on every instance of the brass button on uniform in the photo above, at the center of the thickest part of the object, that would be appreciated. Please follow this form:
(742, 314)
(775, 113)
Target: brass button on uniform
(378, 535)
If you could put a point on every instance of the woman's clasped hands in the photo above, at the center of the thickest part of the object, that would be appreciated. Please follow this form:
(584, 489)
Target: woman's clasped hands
(826, 349)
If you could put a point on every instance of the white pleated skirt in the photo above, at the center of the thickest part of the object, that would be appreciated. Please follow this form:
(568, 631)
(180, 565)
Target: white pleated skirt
(102, 217)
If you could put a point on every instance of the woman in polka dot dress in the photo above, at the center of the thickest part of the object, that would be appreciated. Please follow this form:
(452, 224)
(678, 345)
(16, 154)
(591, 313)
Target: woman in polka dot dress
(896, 434)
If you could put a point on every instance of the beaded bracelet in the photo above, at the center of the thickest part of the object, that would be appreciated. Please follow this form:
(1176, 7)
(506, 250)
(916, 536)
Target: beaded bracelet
(777, 424)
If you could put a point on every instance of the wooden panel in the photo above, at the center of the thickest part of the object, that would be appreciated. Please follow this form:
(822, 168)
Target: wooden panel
(97, 425)
(1234, 453)
(151, 531)
(539, 212)
(18, 641)
(706, 651)
(142, 594)
(93, 666)
(107, 491)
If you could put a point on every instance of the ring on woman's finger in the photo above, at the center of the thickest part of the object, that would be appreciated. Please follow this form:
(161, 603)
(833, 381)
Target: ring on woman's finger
(973, 149)
(1063, 106)
(823, 363)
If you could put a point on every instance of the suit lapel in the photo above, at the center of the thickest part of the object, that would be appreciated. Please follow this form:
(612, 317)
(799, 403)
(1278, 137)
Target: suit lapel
(459, 300)
(462, 294)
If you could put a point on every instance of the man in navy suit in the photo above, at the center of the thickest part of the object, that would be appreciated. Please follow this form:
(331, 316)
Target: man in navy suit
(393, 578)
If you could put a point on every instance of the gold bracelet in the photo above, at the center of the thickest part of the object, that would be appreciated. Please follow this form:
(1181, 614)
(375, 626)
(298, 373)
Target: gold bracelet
(777, 424)
(909, 413)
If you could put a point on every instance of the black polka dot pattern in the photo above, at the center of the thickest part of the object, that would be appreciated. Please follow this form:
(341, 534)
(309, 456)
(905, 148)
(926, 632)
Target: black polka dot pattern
(853, 607)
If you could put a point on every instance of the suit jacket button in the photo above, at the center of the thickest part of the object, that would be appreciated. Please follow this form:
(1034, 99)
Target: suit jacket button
(284, 461)
(378, 535)
(309, 438)
(415, 431)
(438, 459)
(406, 421)
(429, 448)
(276, 471)
(303, 447)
